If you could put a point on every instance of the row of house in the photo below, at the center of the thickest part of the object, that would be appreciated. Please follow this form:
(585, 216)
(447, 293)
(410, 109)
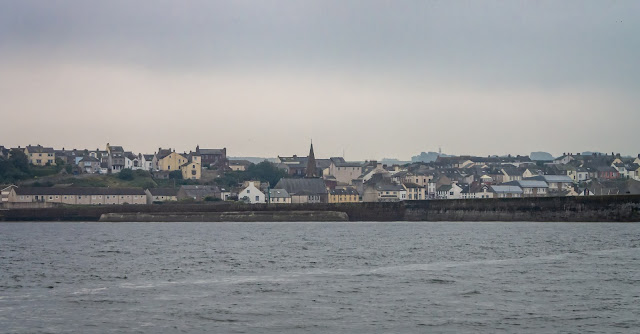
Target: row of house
(115, 158)
(111, 196)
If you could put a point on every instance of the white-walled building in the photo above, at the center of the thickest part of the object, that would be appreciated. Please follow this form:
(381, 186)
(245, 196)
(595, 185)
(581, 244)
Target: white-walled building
(252, 194)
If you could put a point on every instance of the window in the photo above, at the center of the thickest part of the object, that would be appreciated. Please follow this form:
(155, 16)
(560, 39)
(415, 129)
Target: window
(451, 193)
(257, 198)
(57, 197)
(248, 191)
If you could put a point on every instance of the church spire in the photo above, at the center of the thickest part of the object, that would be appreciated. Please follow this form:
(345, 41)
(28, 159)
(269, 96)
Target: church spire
(311, 164)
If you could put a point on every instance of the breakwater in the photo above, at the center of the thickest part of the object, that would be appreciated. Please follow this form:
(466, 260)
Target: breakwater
(233, 216)
(624, 208)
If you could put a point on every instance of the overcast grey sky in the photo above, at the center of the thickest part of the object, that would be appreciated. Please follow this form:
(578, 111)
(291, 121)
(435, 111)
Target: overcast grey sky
(373, 78)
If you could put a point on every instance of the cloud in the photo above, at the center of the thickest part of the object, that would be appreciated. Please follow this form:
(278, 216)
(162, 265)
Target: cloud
(375, 78)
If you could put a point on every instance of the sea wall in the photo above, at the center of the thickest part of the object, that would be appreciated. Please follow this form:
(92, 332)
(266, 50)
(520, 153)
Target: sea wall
(624, 208)
(234, 216)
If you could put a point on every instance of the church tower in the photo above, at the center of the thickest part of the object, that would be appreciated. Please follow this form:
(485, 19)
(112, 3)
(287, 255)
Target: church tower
(311, 164)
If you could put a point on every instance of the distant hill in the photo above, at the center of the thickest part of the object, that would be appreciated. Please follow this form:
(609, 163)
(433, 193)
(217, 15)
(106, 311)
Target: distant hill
(541, 156)
(428, 157)
(254, 160)
(392, 161)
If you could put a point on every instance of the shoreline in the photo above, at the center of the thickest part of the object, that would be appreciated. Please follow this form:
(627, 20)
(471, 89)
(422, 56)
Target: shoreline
(623, 208)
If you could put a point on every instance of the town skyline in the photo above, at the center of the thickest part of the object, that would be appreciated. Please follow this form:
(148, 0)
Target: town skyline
(320, 151)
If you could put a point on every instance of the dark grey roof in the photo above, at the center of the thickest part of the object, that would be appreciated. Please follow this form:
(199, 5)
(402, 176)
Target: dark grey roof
(606, 169)
(117, 149)
(445, 187)
(78, 191)
(163, 191)
(323, 163)
(347, 191)
(295, 186)
(412, 185)
(530, 183)
(39, 149)
(199, 191)
(211, 151)
(389, 187)
(278, 193)
(163, 153)
(88, 158)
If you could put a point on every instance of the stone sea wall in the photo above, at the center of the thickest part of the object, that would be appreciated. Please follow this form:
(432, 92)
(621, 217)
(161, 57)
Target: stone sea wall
(625, 208)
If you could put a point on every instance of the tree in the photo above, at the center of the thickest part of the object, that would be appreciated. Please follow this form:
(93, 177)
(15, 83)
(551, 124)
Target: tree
(265, 172)
(126, 174)
(15, 168)
(176, 175)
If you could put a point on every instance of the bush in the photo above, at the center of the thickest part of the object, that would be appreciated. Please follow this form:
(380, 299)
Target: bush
(175, 175)
(141, 173)
(211, 199)
(126, 174)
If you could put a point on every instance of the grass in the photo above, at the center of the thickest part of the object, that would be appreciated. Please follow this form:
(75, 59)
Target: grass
(110, 181)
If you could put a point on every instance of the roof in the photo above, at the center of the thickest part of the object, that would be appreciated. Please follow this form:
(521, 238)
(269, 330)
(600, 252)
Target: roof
(389, 187)
(445, 187)
(278, 193)
(39, 149)
(116, 149)
(412, 185)
(557, 179)
(78, 191)
(211, 151)
(340, 162)
(163, 153)
(295, 186)
(88, 158)
(347, 191)
(506, 189)
(532, 184)
(199, 191)
(163, 191)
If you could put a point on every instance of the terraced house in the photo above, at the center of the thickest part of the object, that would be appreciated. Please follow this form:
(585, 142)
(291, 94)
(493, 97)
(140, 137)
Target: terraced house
(83, 196)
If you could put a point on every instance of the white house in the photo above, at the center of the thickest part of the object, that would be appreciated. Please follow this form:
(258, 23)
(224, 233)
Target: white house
(252, 194)
(391, 193)
(452, 191)
(579, 174)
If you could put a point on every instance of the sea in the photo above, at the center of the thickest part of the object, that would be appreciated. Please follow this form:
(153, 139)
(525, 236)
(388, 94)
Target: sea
(347, 277)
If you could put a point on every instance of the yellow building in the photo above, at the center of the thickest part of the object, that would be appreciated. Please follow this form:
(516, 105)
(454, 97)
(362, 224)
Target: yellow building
(172, 161)
(192, 171)
(40, 156)
(415, 191)
(348, 195)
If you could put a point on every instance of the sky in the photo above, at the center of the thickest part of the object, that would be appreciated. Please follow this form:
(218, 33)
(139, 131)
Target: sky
(367, 79)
